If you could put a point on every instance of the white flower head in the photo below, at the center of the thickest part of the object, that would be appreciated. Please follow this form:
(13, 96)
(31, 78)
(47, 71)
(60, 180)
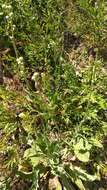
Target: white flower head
(7, 17)
(43, 75)
(96, 4)
(19, 60)
(22, 115)
(8, 6)
(35, 76)
(11, 37)
(30, 141)
(4, 5)
(14, 26)
(77, 73)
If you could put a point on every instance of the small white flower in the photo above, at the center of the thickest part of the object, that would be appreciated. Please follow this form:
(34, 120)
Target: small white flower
(30, 141)
(22, 115)
(52, 42)
(48, 45)
(10, 14)
(7, 17)
(20, 60)
(77, 73)
(35, 76)
(17, 60)
(43, 75)
(14, 27)
(21, 72)
(11, 37)
(96, 5)
(3, 6)
(8, 6)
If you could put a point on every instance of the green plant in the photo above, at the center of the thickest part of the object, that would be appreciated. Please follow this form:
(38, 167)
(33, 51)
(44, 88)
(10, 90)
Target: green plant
(89, 18)
(52, 115)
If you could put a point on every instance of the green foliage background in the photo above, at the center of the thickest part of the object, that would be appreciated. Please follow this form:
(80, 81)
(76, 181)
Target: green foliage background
(53, 106)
